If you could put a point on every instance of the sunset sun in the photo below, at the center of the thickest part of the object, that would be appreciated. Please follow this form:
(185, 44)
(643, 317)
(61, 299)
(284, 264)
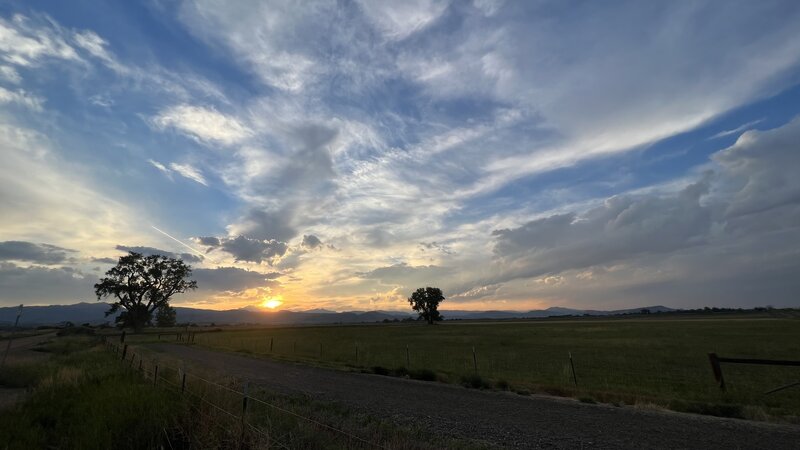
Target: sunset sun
(272, 302)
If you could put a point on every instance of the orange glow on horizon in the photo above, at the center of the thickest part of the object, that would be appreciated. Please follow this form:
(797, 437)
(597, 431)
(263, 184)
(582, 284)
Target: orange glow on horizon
(272, 302)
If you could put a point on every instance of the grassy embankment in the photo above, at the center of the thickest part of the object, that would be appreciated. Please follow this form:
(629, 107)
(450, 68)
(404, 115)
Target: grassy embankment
(82, 397)
(649, 361)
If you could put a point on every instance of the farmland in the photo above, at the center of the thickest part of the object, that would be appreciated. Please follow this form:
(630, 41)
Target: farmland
(658, 362)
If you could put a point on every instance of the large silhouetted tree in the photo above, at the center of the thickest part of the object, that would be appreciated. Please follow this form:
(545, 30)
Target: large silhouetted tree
(426, 301)
(141, 284)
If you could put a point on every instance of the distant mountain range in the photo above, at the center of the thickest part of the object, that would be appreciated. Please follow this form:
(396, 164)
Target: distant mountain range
(94, 313)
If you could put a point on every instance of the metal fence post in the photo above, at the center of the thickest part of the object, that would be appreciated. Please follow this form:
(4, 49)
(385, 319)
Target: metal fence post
(717, 369)
(572, 365)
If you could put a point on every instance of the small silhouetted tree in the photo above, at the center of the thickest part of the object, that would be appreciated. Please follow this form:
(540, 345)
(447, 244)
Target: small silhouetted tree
(425, 301)
(165, 316)
(141, 284)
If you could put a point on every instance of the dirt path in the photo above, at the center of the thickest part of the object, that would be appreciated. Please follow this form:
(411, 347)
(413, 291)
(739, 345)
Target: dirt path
(503, 419)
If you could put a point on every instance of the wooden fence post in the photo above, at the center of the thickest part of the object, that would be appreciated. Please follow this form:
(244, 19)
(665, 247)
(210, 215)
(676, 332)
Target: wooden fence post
(124, 352)
(356, 353)
(133, 356)
(475, 360)
(122, 337)
(408, 358)
(271, 341)
(572, 366)
(717, 369)
(155, 374)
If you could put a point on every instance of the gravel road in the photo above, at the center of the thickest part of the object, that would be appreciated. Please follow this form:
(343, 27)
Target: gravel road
(503, 419)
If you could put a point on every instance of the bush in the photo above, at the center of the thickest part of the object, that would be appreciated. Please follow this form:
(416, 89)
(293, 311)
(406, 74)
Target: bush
(423, 374)
(475, 382)
(502, 385)
(378, 370)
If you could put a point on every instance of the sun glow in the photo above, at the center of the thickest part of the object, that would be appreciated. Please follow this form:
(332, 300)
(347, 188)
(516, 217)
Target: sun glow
(272, 302)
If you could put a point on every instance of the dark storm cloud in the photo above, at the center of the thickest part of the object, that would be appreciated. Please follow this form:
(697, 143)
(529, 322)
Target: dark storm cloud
(35, 253)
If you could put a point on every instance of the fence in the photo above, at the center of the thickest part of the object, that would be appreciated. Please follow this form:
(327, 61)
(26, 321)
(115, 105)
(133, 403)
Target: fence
(717, 369)
(238, 406)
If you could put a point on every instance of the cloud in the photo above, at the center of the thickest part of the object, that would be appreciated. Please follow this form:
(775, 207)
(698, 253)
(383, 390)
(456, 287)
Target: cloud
(232, 279)
(261, 224)
(205, 125)
(24, 43)
(247, 249)
(22, 98)
(189, 172)
(188, 257)
(408, 277)
(710, 238)
(10, 74)
(43, 285)
(398, 20)
(736, 130)
(35, 253)
(310, 241)
(105, 260)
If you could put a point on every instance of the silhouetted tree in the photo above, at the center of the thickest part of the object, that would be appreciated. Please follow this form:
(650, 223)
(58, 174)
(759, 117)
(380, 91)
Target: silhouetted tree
(425, 301)
(141, 284)
(165, 316)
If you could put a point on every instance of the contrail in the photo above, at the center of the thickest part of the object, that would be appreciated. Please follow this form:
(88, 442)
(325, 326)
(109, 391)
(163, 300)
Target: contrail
(179, 241)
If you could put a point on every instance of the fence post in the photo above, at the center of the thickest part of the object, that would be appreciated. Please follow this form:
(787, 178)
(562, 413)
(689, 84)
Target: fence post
(244, 413)
(408, 358)
(124, 352)
(133, 356)
(271, 341)
(717, 369)
(572, 365)
(475, 360)
(140, 364)
(294, 348)
(356, 353)
(122, 337)
(155, 374)
(320, 350)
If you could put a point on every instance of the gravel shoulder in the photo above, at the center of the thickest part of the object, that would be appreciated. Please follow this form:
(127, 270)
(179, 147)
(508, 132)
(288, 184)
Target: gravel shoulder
(498, 418)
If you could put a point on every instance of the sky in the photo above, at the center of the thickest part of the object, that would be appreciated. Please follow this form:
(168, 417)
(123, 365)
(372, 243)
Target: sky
(340, 154)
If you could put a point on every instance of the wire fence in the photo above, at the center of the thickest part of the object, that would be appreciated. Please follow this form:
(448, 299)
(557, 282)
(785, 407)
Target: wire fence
(235, 405)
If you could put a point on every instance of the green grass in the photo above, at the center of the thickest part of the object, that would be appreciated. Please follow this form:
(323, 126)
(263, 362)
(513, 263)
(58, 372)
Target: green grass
(82, 400)
(652, 361)
(83, 397)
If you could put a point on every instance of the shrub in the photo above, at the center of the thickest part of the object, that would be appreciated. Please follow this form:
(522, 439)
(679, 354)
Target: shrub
(475, 382)
(378, 370)
(423, 374)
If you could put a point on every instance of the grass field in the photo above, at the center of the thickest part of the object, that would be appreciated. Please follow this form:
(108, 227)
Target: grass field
(84, 397)
(644, 361)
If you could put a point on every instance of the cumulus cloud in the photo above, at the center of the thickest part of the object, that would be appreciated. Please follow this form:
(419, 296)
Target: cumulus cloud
(203, 124)
(35, 253)
(187, 257)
